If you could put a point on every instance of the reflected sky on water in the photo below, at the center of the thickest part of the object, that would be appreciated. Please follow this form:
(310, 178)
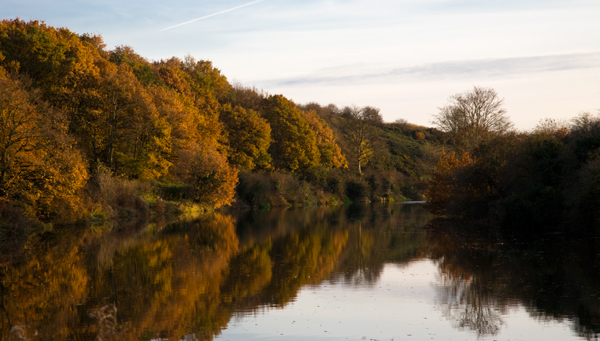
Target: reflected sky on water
(377, 272)
(404, 304)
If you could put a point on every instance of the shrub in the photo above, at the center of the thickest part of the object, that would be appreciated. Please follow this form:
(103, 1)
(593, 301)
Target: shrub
(333, 185)
(443, 186)
(316, 176)
(356, 190)
(118, 196)
(293, 190)
(584, 196)
(211, 178)
(254, 188)
(276, 189)
(419, 135)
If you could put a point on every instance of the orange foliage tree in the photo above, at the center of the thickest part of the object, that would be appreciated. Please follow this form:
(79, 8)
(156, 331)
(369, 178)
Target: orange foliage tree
(39, 167)
(210, 176)
(443, 185)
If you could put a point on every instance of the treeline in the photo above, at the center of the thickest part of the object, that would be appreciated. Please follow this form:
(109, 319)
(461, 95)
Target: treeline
(545, 180)
(91, 133)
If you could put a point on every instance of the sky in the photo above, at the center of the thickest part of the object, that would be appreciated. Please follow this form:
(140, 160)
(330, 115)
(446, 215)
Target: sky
(405, 57)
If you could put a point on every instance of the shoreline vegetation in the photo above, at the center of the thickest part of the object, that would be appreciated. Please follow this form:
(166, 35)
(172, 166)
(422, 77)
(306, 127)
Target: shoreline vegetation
(520, 183)
(97, 137)
(91, 137)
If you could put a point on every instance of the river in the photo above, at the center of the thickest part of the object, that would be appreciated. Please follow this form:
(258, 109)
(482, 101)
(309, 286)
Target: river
(375, 272)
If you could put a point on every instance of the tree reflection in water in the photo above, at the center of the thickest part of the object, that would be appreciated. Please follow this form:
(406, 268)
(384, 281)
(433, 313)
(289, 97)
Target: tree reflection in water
(378, 235)
(469, 306)
(189, 280)
(108, 328)
(468, 290)
(482, 277)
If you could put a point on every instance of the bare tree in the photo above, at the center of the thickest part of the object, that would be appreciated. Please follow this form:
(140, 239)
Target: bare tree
(472, 116)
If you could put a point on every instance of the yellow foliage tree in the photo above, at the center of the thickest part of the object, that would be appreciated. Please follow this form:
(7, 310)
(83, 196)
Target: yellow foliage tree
(294, 144)
(109, 110)
(195, 80)
(181, 114)
(360, 133)
(138, 139)
(331, 154)
(248, 136)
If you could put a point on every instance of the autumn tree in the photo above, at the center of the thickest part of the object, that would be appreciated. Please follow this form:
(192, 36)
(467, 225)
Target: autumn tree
(211, 177)
(192, 109)
(294, 144)
(331, 154)
(141, 67)
(40, 168)
(443, 186)
(58, 62)
(183, 116)
(470, 117)
(139, 138)
(248, 136)
(206, 78)
(246, 97)
(119, 126)
(188, 79)
(360, 133)
(372, 115)
(109, 111)
(37, 50)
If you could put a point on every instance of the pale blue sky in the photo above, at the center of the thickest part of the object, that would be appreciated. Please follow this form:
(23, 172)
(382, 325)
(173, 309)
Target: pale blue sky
(405, 56)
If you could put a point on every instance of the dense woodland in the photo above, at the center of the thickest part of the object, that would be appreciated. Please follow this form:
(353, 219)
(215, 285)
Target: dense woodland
(89, 134)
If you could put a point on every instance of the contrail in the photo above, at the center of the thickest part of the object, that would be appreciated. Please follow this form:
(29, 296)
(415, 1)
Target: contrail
(212, 15)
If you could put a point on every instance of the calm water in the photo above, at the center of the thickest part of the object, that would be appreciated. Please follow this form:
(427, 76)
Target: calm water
(362, 273)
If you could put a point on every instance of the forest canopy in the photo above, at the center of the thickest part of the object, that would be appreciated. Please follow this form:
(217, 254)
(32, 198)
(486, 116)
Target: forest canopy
(76, 114)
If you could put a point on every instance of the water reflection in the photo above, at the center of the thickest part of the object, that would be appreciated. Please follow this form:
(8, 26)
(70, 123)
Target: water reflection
(190, 280)
(553, 277)
(378, 235)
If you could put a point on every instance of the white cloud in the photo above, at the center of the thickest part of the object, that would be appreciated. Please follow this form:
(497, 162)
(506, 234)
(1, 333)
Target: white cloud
(482, 69)
(404, 56)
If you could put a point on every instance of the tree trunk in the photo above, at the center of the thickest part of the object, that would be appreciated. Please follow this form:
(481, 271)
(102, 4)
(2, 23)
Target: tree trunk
(113, 132)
